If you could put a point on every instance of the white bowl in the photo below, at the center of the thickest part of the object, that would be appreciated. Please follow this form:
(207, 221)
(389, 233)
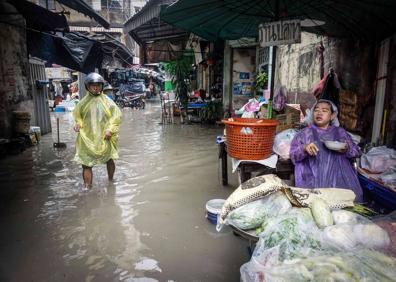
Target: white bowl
(335, 145)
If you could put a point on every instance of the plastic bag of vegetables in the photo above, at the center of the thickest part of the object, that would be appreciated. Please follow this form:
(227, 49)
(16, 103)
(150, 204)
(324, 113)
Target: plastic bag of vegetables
(353, 232)
(287, 236)
(253, 214)
(327, 265)
(388, 223)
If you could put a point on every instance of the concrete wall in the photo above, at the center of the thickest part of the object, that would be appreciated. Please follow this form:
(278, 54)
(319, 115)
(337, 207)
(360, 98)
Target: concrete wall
(14, 91)
(243, 63)
(298, 68)
(227, 78)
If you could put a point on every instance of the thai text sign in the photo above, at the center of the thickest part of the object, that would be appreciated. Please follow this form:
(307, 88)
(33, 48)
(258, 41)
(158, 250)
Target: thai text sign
(279, 33)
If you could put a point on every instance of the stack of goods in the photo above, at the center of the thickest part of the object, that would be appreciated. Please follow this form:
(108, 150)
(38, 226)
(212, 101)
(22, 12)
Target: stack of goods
(349, 109)
(287, 118)
(377, 177)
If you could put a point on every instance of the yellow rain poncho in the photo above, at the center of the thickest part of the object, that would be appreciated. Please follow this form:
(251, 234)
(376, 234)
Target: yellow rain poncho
(95, 115)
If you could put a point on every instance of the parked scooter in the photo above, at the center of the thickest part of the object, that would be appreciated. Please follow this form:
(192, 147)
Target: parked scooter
(128, 99)
(134, 100)
(119, 100)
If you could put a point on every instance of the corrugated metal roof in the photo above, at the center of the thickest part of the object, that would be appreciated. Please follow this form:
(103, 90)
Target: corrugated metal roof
(146, 25)
(84, 8)
(149, 11)
(96, 29)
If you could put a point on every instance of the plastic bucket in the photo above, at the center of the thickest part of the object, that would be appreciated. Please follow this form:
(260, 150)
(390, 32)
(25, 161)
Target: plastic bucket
(37, 132)
(59, 109)
(213, 208)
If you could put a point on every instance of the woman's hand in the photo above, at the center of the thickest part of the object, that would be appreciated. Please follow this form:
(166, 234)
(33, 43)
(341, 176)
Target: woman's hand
(107, 135)
(311, 149)
(77, 127)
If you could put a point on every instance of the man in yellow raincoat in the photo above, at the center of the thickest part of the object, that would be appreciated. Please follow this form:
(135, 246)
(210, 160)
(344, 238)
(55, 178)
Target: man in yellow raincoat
(97, 121)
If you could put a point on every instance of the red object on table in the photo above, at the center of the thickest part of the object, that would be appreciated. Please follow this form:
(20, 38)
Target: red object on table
(250, 138)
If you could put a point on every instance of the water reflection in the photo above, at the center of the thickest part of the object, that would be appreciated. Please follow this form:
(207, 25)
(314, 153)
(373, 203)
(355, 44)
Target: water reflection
(147, 225)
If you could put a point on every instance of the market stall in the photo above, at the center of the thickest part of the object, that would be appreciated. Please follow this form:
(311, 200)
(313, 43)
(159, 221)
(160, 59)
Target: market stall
(309, 235)
(259, 146)
(300, 234)
(377, 176)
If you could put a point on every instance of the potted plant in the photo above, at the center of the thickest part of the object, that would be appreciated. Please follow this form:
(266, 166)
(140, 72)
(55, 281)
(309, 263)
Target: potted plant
(179, 70)
(261, 81)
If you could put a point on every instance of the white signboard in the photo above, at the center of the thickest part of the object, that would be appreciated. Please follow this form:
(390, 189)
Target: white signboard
(58, 73)
(280, 33)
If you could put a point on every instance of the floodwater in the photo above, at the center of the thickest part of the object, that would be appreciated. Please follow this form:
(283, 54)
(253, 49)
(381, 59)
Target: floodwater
(148, 225)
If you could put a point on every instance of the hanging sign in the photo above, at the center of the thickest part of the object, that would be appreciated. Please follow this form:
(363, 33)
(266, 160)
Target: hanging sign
(279, 33)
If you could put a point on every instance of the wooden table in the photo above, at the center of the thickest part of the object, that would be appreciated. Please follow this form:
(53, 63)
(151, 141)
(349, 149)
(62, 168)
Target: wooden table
(284, 168)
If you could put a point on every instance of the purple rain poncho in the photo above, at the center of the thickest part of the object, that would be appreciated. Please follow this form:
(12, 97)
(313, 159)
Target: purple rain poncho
(328, 168)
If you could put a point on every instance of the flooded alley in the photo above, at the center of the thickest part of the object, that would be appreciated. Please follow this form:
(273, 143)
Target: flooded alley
(147, 225)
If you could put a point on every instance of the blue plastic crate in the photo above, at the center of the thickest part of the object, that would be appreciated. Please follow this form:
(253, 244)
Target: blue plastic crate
(384, 198)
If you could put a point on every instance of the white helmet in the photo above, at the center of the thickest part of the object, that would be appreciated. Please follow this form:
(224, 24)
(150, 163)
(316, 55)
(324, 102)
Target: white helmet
(107, 87)
(93, 77)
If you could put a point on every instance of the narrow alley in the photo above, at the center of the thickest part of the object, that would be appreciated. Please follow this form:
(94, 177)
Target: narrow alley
(148, 225)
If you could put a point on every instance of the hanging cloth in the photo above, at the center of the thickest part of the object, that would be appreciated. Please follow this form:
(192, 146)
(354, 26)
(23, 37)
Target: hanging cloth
(328, 88)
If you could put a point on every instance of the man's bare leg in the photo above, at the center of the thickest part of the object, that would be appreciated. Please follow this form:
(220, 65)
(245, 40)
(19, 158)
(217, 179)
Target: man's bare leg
(110, 169)
(87, 176)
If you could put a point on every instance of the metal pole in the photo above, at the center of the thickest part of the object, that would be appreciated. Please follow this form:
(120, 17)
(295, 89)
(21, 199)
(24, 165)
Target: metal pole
(224, 170)
(273, 68)
(273, 65)
(57, 127)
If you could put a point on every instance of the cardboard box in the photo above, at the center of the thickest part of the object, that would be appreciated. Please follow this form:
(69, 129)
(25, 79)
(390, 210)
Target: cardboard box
(288, 118)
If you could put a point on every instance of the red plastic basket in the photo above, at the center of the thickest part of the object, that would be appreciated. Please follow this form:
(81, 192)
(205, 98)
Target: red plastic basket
(250, 138)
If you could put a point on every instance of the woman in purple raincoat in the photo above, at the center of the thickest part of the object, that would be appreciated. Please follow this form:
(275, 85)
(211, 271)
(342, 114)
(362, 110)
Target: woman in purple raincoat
(317, 166)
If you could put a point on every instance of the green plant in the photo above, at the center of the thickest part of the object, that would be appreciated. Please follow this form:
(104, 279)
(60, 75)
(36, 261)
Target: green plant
(261, 80)
(213, 112)
(179, 70)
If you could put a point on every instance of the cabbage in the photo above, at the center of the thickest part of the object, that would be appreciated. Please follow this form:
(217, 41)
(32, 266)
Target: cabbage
(371, 235)
(342, 216)
(340, 236)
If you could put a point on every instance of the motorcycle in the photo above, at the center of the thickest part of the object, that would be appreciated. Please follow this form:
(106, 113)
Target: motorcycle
(119, 100)
(134, 100)
(129, 99)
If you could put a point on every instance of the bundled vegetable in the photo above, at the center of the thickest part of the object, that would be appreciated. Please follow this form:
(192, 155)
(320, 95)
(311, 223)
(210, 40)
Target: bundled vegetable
(261, 187)
(388, 223)
(341, 236)
(321, 213)
(288, 236)
(344, 216)
(371, 236)
(364, 265)
(353, 231)
(255, 213)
